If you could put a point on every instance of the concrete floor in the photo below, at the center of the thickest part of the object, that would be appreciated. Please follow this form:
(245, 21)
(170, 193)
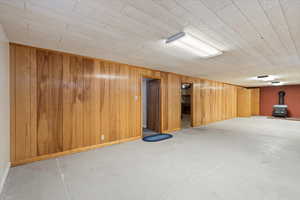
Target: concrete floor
(240, 159)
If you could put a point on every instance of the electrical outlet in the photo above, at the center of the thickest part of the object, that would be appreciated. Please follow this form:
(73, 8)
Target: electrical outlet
(102, 137)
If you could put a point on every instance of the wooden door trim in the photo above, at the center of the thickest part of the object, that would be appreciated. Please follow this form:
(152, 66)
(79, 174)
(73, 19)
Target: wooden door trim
(192, 101)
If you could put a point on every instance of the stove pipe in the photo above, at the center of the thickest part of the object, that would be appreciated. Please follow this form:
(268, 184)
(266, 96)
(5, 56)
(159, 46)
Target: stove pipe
(281, 95)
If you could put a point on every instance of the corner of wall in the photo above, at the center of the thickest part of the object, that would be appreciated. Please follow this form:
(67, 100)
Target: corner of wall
(4, 107)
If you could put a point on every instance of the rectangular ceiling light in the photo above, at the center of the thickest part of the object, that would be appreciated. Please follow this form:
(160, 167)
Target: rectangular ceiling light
(266, 78)
(193, 44)
(276, 83)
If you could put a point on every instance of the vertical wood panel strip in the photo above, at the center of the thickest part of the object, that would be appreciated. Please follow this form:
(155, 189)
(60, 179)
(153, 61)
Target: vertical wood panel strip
(43, 97)
(67, 133)
(22, 102)
(73, 102)
(33, 101)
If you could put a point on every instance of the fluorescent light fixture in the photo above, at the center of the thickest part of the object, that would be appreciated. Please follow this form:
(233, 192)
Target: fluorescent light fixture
(276, 83)
(265, 78)
(193, 45)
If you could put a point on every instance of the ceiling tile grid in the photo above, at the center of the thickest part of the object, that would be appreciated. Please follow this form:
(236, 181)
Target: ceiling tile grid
(257, 37)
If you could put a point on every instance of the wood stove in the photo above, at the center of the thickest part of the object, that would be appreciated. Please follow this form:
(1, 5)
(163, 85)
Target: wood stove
(280, 110)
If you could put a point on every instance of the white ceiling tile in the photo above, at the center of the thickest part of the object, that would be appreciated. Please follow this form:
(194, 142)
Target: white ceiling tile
(152, 23)
(13, 3)
(217, 5)
(257, 37)
(55, 5)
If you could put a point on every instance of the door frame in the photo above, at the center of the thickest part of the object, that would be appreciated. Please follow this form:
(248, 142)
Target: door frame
(160, 101)
(192, 101)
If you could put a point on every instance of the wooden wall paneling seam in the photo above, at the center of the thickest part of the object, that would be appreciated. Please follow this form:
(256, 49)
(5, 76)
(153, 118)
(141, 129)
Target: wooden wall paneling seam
(73, 103)
(33, 101)
(112, 122)
(244, 102)
(255, 96)
(105, 109)
(67, 137)
(123, 91)
(104, 106)
(91, 115)
(116, 81)
(97, 102)
(50, 102)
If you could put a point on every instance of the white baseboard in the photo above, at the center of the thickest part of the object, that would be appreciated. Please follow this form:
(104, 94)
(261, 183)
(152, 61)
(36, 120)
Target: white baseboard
(5, 174)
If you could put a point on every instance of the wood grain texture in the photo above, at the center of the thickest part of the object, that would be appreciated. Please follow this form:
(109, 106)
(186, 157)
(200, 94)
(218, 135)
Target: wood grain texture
(49, 102)
(63, 102)
(244, 102)
(73, 96)
(255, 102)
(248, 102)
(25, 89)
(91, 103)
(72, 151)
(33, 102)
(172, 102)
(212, 101)
(153, 105)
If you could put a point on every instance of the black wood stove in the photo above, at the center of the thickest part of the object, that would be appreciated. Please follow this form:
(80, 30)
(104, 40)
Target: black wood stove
(280, 110)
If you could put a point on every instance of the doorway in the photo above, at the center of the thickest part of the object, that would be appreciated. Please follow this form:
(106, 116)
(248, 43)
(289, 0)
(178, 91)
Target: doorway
(186, 105)
(151, 109)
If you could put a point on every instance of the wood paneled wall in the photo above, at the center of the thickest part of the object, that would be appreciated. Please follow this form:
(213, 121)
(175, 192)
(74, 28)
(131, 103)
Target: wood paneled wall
(255, 102)
(244, 102)
(248, 102)
(172, 103)
(212, 101)
(64, 103)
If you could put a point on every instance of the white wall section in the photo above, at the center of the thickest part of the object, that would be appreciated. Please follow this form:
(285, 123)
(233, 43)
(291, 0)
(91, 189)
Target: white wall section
(4, 108)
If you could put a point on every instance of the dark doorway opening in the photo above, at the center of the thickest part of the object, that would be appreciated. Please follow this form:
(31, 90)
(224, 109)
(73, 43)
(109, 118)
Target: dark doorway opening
(186, 105)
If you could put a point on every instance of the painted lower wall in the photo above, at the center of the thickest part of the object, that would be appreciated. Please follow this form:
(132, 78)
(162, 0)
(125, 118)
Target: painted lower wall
(269, 97)
(4, 108)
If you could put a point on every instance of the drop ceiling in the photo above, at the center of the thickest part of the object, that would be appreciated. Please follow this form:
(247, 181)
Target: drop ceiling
(257, 37)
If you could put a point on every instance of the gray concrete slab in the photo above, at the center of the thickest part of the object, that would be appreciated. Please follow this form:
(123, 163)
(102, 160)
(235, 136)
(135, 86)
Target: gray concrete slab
(244, 158)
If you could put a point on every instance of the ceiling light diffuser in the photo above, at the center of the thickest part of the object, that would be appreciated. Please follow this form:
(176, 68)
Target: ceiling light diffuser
(193, 45)
(265, 78)
(276, 83)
